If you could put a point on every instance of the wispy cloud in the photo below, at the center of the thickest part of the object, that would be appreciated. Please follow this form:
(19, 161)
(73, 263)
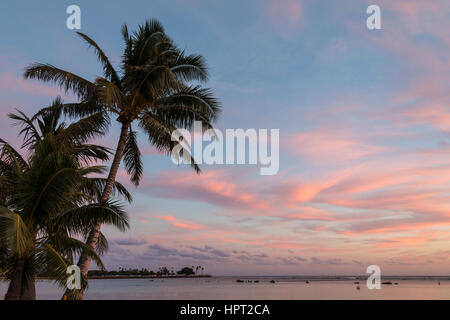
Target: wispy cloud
(179, 223)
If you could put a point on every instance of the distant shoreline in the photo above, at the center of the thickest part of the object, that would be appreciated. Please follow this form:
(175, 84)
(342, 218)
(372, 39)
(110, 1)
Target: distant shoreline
(279, 278)
(147, 277)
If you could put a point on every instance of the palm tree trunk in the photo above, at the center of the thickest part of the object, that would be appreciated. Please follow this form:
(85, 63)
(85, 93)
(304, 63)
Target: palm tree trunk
(29, 289)
(84, 262)
(15, 284)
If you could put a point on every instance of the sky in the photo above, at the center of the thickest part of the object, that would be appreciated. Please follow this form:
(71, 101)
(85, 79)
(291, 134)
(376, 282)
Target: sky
(364, 120)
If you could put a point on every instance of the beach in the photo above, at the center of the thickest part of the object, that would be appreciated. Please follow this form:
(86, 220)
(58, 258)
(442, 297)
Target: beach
(227, 288)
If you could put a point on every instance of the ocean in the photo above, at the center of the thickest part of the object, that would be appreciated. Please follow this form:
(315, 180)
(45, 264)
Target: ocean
(227, 288)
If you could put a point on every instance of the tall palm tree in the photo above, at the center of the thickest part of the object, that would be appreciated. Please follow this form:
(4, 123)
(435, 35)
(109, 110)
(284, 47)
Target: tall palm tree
(153, 88)
(48, 201)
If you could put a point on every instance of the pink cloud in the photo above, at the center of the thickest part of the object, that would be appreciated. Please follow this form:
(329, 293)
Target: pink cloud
(327, 145)
(183, 224)
(307, 213)
(215, 187)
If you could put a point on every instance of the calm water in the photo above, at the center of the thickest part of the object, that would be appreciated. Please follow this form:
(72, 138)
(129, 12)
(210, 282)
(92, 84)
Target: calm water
(228, 288)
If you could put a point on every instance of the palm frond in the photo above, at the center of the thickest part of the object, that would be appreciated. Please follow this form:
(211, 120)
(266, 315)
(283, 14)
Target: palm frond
(29, 131)
(49, 185)
(11, 156)
(52, 264)
(183, 107)
(132, 158)
(89, 153)
(190, 67)
(109, 94)
(64, 79)
(79, 132)
(159, 133)
(102, 244)
(108, 69)
(70, 247)
(86, 107)
(95, 186)
(14, 232)
(86, 217)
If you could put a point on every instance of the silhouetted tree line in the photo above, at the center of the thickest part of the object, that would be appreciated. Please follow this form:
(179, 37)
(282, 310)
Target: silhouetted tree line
(162, 271)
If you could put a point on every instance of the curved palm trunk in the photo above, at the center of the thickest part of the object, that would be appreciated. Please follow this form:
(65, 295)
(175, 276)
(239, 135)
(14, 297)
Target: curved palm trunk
(15, 284)
(84, 262)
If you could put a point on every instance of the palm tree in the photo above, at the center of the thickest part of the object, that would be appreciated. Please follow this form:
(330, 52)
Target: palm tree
(153, 88)
(73, 138)
(47, 201)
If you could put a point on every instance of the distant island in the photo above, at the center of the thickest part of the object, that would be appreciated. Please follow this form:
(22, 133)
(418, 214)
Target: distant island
(162, 272)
